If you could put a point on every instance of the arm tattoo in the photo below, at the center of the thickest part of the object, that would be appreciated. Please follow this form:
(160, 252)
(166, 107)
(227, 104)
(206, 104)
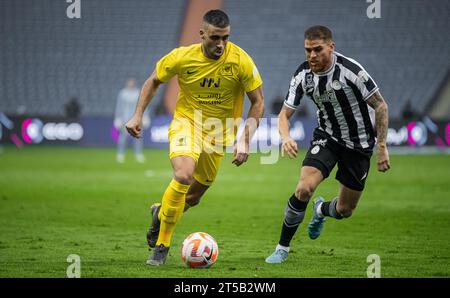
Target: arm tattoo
(377, 102)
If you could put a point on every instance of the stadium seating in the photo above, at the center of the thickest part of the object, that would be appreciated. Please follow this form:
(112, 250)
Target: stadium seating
(406, 51)
(47, 58)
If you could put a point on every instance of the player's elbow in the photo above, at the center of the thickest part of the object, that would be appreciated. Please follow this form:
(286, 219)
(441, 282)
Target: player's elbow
(259, 104)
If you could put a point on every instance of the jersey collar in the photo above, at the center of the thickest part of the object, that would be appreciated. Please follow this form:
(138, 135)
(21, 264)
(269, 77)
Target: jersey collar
(214, 60)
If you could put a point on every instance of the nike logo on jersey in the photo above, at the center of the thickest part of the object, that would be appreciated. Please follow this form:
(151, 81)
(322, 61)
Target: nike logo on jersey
(191, 71)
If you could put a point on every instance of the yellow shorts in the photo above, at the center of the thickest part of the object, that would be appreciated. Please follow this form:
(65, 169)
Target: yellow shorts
(184, 142)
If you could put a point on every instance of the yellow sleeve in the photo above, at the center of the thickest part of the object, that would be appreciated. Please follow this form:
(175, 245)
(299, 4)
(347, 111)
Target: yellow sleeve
(168, 66)
(250, 77)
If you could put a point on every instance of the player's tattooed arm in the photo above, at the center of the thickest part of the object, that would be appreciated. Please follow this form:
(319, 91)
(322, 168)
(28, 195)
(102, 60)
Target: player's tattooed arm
(377, 102)
(380, 106)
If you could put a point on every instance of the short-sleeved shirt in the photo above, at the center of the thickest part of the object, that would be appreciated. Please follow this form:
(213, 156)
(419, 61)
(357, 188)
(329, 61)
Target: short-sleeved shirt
(340, 94)
(214, 87)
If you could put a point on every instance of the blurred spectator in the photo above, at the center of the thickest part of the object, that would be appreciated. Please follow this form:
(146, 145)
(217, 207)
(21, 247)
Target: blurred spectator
(126, 104)
(21, 110)
(72, 108)
(303, 110)
(408, 112)
(277, 104)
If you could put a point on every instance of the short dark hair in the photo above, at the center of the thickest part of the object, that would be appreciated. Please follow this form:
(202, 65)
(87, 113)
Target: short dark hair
(318, 32)
(217, 18)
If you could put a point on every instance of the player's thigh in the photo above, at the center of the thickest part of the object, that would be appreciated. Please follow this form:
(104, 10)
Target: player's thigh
(321, 156)
(182, 140)
(207, 167)
(310, 176)
(183, 166)
(353, 169)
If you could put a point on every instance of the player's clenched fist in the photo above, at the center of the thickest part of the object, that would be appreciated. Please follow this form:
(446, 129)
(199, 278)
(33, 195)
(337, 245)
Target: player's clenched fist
(290, 147)
(383, 158)
(134, 126)
(240, 154)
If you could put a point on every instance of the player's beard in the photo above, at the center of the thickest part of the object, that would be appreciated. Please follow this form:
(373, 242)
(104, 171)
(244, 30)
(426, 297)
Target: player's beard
(319, 66)
(212, 52)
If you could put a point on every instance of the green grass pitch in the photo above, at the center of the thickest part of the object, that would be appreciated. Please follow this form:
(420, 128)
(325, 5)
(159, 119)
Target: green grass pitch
(60, 201)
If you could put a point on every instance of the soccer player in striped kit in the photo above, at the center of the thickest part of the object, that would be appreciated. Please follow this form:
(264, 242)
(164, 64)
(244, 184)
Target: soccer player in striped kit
(342, 91)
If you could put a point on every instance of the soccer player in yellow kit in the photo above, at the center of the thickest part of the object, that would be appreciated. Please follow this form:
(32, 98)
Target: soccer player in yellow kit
(214, 76)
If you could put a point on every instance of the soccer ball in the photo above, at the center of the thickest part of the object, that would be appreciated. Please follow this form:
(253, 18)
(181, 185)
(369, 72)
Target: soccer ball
(199, 250)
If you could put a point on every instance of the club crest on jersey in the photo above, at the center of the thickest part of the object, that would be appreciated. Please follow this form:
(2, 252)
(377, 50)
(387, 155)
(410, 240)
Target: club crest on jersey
(226, 70)
(181, 141)
(315, 149)
(336, 85)
(309, 82)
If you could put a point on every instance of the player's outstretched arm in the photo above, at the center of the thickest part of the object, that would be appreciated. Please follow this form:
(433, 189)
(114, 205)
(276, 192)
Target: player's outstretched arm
(288, 145)
(148, 91)
(380, 106)
(255, 113)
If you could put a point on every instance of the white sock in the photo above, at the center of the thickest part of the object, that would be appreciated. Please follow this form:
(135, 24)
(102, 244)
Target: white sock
(285, 248)
(319, 210)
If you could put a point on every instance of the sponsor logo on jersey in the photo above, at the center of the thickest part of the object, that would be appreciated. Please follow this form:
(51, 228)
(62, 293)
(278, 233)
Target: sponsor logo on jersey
(210, 82)
(321, 142)
(328, 96)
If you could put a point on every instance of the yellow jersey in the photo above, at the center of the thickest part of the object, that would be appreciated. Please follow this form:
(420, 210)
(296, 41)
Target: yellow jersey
(215, 87)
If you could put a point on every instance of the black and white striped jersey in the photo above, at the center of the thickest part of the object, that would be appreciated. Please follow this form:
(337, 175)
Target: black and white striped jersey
(340, 95)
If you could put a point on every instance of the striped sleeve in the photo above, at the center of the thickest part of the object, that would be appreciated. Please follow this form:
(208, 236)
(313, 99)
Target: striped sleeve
(358, 76)
(295, 92)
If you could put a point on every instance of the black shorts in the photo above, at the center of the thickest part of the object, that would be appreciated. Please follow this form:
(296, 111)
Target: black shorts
(353, 165)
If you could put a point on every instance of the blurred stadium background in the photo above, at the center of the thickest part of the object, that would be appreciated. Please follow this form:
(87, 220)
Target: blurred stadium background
(47, 59)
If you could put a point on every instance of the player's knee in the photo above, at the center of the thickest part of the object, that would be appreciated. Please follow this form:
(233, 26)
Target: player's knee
(304, 191)
(184, 177)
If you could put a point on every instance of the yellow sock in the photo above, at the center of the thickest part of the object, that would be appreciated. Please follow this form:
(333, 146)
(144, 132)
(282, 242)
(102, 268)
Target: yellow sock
(171, 210)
